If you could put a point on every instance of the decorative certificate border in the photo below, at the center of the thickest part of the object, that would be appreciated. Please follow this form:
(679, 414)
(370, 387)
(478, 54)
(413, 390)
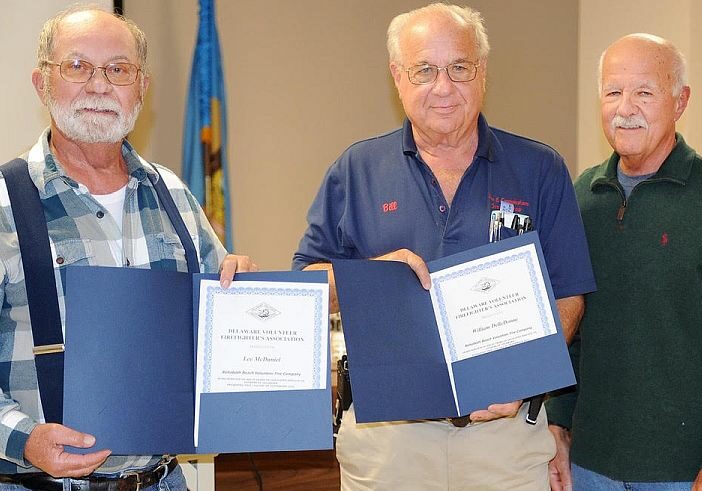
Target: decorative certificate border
(212, 291)
(537, 282)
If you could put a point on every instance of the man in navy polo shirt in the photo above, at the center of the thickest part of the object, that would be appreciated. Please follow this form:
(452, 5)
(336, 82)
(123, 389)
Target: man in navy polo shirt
(425, 191)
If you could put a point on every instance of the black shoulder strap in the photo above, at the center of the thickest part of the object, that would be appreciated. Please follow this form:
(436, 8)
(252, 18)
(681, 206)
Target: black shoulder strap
(169, 205)
(40, 283)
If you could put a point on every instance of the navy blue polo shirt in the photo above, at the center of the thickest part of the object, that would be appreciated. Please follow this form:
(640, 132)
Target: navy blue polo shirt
(380, 196)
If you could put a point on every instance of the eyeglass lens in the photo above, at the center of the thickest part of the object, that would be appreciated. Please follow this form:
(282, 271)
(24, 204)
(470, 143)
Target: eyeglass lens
(458, 72)
(79, 71)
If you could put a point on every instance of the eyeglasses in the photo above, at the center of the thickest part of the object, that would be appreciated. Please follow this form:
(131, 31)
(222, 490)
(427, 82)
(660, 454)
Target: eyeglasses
(423, 74)
(80, 71)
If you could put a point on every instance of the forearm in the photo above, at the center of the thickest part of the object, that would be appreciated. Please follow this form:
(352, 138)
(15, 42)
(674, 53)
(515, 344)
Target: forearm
(333, 300)
(570, 310)
(15, 427)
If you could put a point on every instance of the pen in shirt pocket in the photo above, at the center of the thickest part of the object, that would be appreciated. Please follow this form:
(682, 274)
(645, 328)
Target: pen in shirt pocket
(518, 222)
(496, 222)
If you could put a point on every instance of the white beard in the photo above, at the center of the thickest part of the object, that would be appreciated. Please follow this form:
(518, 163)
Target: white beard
(104, 122)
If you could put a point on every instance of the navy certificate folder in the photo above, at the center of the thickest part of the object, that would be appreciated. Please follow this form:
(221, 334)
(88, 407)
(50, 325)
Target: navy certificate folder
(129, 372)
(396, 361)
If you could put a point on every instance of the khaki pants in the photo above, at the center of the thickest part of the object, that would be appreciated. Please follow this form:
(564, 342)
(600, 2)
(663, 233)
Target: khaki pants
(505, 454)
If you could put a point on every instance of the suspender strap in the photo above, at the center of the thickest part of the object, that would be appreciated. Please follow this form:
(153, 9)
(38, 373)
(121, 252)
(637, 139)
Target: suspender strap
(176, 219)
(40, 283)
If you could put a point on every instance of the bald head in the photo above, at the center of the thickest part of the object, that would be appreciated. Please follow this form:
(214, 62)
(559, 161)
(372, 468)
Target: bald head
(465, 18)
(643, 93)
(655, 48)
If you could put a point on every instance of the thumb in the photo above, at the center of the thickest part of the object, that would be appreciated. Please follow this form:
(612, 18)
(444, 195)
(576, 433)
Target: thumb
(420, 269)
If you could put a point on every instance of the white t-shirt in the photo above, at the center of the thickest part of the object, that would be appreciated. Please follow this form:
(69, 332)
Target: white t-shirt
(114, 204)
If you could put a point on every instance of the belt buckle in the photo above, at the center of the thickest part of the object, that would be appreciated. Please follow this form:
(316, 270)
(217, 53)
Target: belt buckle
(461, 422)
(161, 466)
(137, 475)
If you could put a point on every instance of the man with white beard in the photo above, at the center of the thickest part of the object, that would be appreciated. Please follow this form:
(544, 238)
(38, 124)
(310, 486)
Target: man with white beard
(103, 205)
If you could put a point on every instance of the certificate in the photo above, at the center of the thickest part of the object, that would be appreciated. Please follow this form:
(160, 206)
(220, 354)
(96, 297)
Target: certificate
(175, 364)
(262, 337)
(491, 303)
(256, 336)
(487, 332)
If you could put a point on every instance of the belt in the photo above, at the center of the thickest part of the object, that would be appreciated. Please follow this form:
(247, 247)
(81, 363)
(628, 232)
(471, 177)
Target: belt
(460, 422)
(127, 481)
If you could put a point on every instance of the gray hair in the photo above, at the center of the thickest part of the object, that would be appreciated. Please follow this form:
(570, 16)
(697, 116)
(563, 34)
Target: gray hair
(48, 33)
(677, 60)
(463, 16)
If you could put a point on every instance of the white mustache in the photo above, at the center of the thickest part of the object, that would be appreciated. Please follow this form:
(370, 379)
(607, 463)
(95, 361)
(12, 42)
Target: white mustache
(636, 121)
(95, 103)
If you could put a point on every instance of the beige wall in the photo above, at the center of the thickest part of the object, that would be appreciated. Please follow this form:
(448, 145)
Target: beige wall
(533, 69)
(305, 79)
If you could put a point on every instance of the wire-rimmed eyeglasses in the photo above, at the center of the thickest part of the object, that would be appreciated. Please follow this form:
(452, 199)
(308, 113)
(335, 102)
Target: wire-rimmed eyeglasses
(80, 71)
(424, 73)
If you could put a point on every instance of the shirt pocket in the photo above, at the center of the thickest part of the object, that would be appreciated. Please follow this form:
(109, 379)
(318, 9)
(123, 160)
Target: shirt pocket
(71, 252)
(169, 247)
(507, 232)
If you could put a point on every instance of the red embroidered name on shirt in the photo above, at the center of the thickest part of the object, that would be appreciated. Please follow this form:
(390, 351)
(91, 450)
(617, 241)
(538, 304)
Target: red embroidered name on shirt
(496, 203)
(391, 206)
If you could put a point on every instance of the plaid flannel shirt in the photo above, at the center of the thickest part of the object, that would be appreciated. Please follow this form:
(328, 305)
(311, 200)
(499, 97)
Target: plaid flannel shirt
(80, 237)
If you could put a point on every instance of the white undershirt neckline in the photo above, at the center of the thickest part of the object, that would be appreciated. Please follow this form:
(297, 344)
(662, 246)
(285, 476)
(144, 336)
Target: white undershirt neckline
(113, 203)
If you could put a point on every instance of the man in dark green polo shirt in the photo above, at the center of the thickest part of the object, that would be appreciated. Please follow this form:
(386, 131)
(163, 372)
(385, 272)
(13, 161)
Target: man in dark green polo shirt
(636, 420)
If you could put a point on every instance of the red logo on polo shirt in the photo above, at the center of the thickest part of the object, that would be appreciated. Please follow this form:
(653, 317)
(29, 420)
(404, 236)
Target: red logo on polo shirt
(391, 206)
(519, 204)
(664, 239)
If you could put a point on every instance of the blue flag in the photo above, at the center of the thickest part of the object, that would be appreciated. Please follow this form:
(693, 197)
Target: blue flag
(205, 133)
